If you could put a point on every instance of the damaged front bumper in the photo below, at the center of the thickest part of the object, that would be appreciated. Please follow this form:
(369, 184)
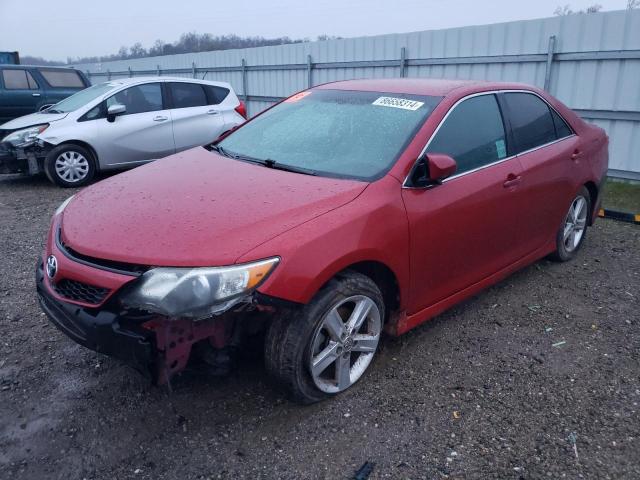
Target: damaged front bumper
(99, 330)
(156, 346)
(28, 160)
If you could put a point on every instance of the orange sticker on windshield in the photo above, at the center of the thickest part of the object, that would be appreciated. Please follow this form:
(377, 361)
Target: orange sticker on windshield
(297, 96)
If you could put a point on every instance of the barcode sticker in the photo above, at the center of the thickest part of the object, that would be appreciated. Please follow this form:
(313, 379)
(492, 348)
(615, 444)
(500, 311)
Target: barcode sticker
(394, 102)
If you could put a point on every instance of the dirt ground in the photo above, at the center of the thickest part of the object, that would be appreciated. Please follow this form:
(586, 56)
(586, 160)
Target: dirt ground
(486, 390)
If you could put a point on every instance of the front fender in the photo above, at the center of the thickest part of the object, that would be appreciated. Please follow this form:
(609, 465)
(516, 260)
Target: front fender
(372, 227)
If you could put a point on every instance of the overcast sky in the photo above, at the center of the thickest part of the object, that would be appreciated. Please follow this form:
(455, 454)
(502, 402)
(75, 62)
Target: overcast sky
(61, 28)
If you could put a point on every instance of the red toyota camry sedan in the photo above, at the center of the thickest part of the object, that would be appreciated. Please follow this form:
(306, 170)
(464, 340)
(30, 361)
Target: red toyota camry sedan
(346, 210)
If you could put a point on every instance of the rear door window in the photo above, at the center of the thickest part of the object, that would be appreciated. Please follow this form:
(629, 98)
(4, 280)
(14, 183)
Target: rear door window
(18, 79)
(215, 95)
(472, 134)
(139, 99)
(187, 95)
(62, 78)
(562, 129)
(531, 121)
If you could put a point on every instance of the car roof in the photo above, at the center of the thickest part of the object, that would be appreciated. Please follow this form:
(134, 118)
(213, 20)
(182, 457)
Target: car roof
(418, 86)
(146, 79)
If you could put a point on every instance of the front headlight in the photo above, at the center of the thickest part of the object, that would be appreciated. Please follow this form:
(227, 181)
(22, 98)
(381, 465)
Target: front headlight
(196, 292)
(26, 136)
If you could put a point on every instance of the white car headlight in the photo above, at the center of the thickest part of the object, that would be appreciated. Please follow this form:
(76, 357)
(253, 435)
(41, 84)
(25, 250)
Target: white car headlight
(196, 292)
(26, 136)
(63, 205)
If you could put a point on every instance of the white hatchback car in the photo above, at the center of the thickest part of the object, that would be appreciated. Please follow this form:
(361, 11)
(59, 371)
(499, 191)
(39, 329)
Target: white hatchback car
(121, 124)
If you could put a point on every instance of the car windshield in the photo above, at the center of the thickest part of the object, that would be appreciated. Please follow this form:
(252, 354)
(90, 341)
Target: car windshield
(335, 133)
(81, 98)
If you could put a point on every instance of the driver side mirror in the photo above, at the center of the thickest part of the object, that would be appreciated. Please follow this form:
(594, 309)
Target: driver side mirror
(431, 169)
(114, 110)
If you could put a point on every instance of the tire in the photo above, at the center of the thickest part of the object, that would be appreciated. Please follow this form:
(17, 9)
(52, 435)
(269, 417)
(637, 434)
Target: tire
(70, 165)
(571, 234)
(295, 339)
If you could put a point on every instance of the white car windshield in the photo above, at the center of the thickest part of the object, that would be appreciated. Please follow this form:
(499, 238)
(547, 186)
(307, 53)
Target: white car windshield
(81, 98)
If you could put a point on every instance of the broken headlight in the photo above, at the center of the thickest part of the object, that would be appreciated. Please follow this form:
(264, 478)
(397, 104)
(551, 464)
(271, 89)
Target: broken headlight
(196, 292)
(26, 136)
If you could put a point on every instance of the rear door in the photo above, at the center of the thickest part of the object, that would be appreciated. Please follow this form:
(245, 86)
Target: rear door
(142, 133)
(21, 93)
(197, 120)
(466, 229)
(60, 83)
(544, 143)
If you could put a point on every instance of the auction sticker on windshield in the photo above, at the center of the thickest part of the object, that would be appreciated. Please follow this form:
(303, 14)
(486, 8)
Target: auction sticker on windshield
(297, 96)
(394, 102)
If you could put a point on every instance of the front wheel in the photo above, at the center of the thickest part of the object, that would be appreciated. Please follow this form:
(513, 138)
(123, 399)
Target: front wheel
(326, 346)
(70, 165)
(573, 231)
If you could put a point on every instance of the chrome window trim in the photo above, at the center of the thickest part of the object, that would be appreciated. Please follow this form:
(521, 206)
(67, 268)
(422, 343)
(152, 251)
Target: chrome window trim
(478, 94)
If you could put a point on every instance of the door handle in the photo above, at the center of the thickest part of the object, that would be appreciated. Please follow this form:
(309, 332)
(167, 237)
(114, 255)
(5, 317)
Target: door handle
(512, 180)
(212, 112)
(576, 154)
(35, 94)
(160, 118)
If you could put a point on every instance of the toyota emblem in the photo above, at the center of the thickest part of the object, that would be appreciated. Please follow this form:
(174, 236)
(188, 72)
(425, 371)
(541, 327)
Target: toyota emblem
(52, 266)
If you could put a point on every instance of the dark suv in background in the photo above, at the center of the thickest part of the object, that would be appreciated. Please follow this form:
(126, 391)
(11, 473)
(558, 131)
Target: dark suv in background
(26, 89)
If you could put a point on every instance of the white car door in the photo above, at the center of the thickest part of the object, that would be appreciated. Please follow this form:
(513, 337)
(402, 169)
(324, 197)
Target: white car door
(142, 133)
(196, 120)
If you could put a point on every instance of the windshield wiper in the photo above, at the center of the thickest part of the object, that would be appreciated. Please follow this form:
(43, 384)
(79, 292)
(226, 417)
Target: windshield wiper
(221, 150)
(267, 163)
(287, 168)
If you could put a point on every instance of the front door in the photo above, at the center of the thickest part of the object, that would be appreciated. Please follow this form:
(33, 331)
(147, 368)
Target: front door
(465, 229)
(144, 132)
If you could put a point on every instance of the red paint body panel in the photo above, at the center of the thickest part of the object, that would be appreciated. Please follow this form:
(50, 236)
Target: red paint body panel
(443, 244)
(196, 208)
(461, 230)
(71, 270)
(373, 227)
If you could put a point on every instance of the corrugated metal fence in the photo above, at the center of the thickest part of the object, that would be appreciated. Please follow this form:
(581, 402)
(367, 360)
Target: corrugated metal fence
(589, 61)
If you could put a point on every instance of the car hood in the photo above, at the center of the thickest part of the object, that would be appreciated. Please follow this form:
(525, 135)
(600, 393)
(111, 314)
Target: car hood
(196, 208)
(32, 119)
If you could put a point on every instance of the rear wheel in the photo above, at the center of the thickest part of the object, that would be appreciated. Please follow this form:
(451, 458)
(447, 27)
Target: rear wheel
(70, 165)
(573, 231)
(326, 347)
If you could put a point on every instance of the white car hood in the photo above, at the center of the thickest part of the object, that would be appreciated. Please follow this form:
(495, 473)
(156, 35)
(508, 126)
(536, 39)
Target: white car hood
(32, 119)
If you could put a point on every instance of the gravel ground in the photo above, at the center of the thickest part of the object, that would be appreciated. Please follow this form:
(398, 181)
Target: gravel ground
(479, 392)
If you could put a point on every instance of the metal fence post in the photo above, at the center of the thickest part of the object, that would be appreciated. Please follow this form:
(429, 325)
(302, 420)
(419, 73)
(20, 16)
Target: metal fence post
(159, 71)
(108, 74)
(550, 53)
(309, 75)
(130, 72)
(244, 80)
(89, 75)
(193, 69)
(403, 62)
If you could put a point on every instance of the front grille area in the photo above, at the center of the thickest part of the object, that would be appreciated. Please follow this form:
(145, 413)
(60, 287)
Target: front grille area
(80, 292)
(110, 265)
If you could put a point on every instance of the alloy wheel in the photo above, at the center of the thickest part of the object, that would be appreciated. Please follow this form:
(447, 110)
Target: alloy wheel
(575, 223)
(344, 344)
